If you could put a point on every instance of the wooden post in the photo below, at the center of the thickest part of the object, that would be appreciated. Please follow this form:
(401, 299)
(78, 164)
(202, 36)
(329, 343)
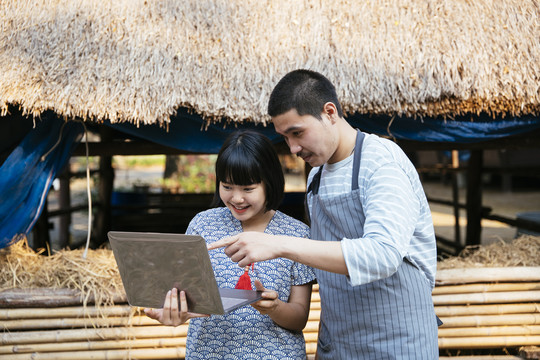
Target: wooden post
(474, 198)
(64, 202)
(102, 220)
(455, 197)
(41, 237)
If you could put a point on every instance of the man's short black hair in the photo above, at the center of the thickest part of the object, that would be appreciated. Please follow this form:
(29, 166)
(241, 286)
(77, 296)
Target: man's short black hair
(248, 157)
(304, 90)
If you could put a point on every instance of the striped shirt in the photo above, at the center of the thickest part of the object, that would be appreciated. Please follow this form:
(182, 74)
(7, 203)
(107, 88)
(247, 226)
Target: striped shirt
(397, 219)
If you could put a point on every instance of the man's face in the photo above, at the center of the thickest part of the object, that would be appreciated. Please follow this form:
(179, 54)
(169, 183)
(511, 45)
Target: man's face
(311, 139)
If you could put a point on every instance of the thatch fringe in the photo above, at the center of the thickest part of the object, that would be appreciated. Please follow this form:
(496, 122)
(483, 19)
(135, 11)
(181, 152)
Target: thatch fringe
(139, 61)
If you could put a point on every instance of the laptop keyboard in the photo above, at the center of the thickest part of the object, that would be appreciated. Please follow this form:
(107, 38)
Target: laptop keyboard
(229, 302)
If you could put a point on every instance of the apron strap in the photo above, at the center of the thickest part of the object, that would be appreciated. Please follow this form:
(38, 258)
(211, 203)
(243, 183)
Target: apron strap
(314, 185)
(357, 155)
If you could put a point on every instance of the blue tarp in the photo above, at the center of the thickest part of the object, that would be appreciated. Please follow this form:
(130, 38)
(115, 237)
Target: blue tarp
(25, 178)
(185, 128)
(188, 132)
(462, 130)
(27, 174)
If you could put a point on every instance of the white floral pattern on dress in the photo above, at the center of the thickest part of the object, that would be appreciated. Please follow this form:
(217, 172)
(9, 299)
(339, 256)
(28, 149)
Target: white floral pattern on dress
(245, 333)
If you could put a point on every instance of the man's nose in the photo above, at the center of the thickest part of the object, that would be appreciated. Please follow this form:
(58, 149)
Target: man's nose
(294, 147)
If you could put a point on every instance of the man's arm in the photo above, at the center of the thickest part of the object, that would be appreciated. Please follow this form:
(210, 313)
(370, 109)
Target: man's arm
(249, 247)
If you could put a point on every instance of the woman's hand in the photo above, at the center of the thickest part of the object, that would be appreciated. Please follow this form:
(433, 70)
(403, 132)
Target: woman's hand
(170, 315)
(270, 300)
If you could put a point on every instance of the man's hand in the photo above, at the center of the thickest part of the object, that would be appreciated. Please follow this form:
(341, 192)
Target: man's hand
(170, 315)
(249, 247)
(270, 300)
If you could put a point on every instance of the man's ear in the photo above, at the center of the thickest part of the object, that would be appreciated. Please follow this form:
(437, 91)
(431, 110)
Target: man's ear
(330, 110)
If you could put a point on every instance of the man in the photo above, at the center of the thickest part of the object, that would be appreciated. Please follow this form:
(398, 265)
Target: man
(372, 240)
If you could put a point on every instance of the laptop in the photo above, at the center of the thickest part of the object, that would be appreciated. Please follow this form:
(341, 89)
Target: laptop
(151, 264)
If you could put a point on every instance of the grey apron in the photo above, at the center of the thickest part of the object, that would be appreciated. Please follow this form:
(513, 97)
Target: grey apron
(392, 318)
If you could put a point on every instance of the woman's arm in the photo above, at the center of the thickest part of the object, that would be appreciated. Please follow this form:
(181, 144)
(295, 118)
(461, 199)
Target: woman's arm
(291, 315)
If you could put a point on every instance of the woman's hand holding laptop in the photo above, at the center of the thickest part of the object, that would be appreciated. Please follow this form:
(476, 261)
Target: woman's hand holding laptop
(170, 315)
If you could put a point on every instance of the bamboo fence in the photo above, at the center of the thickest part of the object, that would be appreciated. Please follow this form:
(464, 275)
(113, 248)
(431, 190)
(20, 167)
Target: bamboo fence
(96, 332)
(488, 307)
(481, 308)
(479, 315)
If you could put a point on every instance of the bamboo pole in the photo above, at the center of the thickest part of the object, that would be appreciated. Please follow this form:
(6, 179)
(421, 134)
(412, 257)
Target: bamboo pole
(485, 342)
(312, 326)
(311, 347)
(94, 345)
(47, 297)
(67, 312)
(314, 315)
(35, 337)
(157, 353)
(65, 323)
(490, 320)
(492, 309)
(494, 274)
(311, 337)
(487, 298)
(489, 331)
(479, 288)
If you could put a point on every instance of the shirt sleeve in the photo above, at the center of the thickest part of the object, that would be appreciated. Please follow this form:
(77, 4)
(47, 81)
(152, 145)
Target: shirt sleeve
(302, 274)
(192, 227)
(391, 211)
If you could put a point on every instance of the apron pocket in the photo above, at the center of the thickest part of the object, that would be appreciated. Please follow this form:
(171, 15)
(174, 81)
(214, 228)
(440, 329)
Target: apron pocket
(324, 342)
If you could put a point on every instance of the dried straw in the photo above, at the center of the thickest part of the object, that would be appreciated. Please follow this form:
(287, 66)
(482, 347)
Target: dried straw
(95, 277)
(523, 251)
(139, 60)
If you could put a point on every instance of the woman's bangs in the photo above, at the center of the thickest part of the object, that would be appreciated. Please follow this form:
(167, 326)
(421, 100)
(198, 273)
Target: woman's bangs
(239, 171)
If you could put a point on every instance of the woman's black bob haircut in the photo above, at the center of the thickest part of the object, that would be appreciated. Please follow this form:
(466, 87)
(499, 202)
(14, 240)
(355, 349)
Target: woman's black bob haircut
(248, 157)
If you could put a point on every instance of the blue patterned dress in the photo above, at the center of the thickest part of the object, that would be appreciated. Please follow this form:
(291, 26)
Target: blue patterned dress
(245, 333)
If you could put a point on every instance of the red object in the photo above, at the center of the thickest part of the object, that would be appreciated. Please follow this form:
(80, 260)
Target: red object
(244, 282)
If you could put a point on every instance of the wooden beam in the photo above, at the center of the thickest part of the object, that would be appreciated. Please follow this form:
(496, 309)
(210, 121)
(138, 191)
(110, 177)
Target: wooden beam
(111, 148)
(474, 198)
(141, 147)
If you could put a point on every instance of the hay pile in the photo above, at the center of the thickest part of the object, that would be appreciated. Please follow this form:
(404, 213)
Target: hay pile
(95, 277)
(523, 251)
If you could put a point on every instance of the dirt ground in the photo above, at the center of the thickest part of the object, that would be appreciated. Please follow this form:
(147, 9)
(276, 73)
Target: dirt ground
(505, 203)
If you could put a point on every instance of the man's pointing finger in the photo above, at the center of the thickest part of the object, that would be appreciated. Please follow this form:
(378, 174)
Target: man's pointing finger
(222, 243)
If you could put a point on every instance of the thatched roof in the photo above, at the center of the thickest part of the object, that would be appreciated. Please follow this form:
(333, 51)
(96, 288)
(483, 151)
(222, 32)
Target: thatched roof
(140, 60)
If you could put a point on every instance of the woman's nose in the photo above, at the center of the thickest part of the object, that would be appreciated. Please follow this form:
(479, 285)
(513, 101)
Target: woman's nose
(237, 196)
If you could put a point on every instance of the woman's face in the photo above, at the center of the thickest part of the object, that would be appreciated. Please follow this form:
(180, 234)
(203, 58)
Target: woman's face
(246, 202)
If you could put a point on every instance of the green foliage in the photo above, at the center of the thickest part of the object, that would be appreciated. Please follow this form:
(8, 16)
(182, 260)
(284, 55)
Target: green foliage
(195, 175)
(139, 161)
